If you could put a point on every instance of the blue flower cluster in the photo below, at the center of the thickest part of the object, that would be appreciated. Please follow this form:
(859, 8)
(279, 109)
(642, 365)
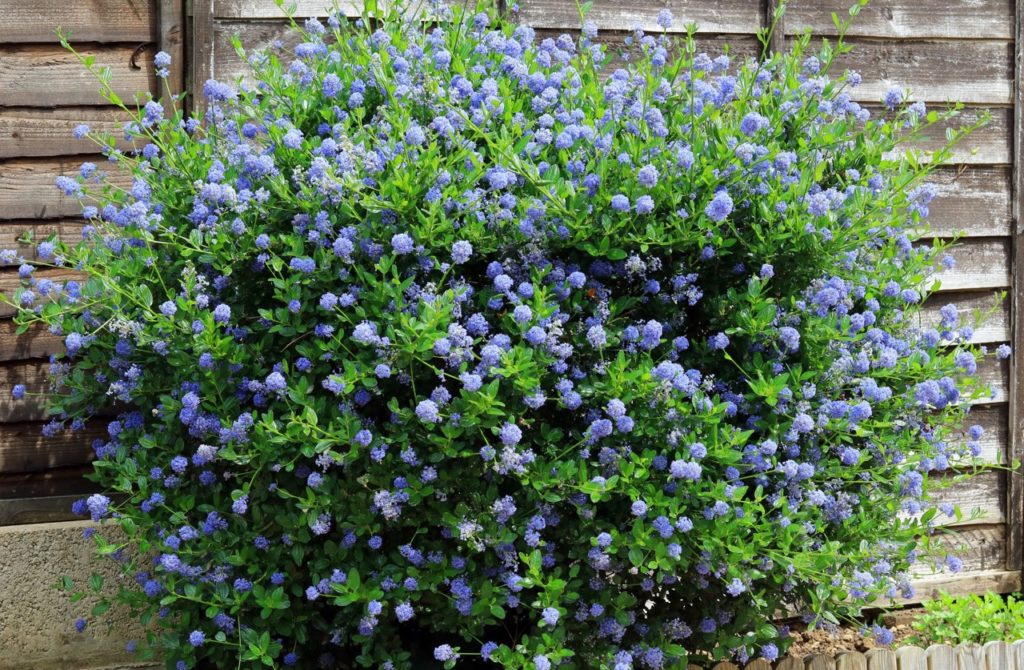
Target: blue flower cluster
(451, 341)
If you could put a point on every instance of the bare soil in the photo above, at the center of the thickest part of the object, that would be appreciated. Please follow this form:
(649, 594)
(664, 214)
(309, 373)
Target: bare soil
(847, 638)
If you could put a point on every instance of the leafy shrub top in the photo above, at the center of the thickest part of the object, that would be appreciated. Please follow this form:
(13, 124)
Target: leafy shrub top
(450, 333)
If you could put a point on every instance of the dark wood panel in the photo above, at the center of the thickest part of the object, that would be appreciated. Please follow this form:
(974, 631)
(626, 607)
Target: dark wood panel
(28, 191)
(9, 282)
(49, 76)
(55, 482)
(979, 547)
(85, 20)
(23, 448)
(33, 131)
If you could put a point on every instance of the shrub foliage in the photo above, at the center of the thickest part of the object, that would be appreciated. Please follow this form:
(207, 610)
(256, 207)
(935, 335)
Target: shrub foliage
(447, 335)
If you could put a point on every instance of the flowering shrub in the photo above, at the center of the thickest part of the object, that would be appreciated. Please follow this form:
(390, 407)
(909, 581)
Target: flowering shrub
(448, 336)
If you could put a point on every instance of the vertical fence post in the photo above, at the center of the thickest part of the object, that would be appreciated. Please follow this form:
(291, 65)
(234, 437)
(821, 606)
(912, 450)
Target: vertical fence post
(777, 40)
(1015, 485)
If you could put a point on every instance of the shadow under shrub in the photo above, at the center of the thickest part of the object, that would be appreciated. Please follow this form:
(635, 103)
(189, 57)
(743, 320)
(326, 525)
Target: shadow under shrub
(445, 343)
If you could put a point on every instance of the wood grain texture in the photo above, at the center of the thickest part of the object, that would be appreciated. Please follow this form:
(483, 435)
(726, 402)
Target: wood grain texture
(973, 200)
(36, 343)
(852, 660)
(981, 498)
(977, 72)
(901, 19)
(170, 38)
(994, 420)
(981, 263)
(820, 662)
(912, 658)
(970, 657)
(9, 282)
(721, 16)
(997, 655)
(266, 9)
(1015, 490)
(23, 68)
(32, 131)
(27, 189)
(15, 511)
(992, 144)
(881, 659)
(86, 20)
(23, 448)
(998, 581)
(204, 45)
(68, 231)
(995, 329)
(54, 482)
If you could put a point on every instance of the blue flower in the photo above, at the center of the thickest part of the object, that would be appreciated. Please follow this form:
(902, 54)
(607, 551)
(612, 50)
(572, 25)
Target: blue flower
(427, 411)
(647, 176)
(196, 638)
(445, 653)
(461, 252)
(620, 203)
(720, 207)
(402, 244)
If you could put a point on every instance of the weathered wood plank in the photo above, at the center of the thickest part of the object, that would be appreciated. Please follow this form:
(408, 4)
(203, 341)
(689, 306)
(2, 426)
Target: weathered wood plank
(941, 657)
(897, 19)
(989, 145)
(973, 200)
(758, 664)
(27, 189)
(852, 660)
(15, 511)
(85, 20)
(23, 448)
(970, 657)
(997, 655)
(789, 663)
(1015, 490)
(49, 76)
(201, 57)
(68, 231)
(1017, 655)
(981, 498)
(33, 131)
(820, 662)
(54, 482)
(979, 71)
(995, 329)
(981, 548)
(267, 9)
(994, 420)
(912, 658)
(170, 36)
(981, 263)
(9, 282)
(999, 581)
(881, 659)
(722, 16)
(36, 343)
(34, 374)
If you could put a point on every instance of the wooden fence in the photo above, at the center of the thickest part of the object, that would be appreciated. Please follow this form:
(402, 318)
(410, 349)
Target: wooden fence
(991, 656)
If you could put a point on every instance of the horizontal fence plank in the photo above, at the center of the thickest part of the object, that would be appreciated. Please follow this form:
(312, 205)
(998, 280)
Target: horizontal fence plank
(996, 328)
(268, 9)
(980, 548)
(36, 343)
(977, 72)
(23, 448)
(981, 263)
(54, 482)
(10, 281)
(721, 16)
(912, 19)
(981, 498)
(86, 20)
(12, 233)
(23, 69)
(998, 581)
(27, 189)
(989, 145)
(972, 200)
(15, 511)
(33, 131)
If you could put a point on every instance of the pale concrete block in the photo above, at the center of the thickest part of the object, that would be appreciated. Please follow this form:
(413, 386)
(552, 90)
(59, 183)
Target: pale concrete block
(37, 629)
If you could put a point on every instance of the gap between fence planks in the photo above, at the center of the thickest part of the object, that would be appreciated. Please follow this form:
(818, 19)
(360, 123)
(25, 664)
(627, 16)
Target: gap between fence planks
(991, 656)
